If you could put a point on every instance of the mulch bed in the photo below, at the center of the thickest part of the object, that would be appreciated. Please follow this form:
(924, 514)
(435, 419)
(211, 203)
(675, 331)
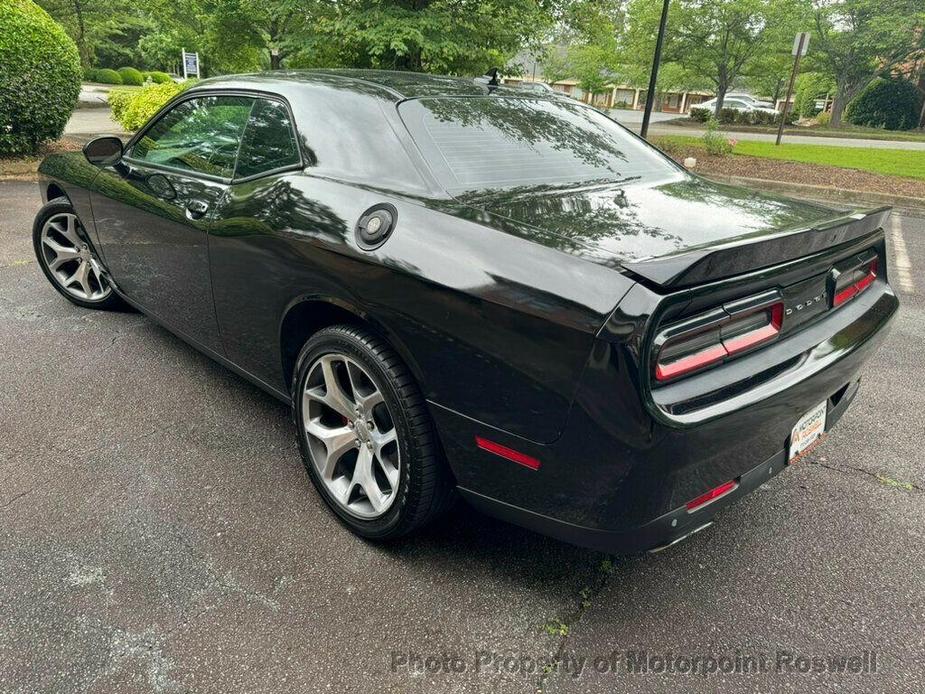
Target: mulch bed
(810, 174)
(26, 167)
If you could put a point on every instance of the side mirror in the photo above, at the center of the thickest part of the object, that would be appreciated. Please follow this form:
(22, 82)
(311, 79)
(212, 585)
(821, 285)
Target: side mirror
(103, 150)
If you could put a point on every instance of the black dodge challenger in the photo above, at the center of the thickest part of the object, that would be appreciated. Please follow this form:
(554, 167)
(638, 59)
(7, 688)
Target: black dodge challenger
(467, 289)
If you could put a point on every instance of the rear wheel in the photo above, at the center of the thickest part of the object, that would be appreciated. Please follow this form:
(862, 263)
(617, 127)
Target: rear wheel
(64, 254)
(365, 435)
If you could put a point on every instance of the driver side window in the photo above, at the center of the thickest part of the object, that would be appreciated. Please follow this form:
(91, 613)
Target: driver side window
(200, 135)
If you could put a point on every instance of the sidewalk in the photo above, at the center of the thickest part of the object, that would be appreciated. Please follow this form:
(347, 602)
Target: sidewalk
(659, 129)
(89, 122)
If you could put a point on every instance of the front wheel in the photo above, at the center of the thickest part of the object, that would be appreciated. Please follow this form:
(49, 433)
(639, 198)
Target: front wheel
(365, 435)
(65, 256)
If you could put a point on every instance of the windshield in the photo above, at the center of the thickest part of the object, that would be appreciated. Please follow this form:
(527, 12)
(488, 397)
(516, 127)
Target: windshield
(479, 143)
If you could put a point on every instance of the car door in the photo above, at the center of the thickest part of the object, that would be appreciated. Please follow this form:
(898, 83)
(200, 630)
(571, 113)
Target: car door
(153, 209)
(249, 274)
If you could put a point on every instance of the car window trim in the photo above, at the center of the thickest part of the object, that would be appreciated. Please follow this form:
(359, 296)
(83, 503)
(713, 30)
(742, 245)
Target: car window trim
(298, 166)
(195, 93)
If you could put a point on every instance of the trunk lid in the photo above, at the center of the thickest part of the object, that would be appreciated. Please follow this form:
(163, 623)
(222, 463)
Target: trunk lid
(679, 232)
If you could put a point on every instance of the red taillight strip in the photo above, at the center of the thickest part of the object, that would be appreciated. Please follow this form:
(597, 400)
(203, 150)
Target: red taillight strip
(726, 348)
(852, 290)
(711, 496)
(507, 453)
(693, 362)
(740, 343)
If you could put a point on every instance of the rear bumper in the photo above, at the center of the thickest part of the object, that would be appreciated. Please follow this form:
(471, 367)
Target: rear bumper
(661, 532)
(618, 478)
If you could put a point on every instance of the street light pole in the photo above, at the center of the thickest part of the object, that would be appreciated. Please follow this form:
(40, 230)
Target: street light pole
(653, 78)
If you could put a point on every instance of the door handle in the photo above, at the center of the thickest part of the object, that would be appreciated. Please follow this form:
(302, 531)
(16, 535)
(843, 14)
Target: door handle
(196, 208)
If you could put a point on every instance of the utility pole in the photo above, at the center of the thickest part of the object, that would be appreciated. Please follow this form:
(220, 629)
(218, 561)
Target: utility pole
(653, 78)
(800, 46)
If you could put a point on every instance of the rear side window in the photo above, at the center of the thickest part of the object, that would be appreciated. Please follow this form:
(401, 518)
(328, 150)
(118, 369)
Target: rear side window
(485, 143)
(269, 141)
(201, 135)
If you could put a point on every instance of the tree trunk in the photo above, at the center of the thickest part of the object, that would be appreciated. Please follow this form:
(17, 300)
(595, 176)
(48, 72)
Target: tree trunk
(81, 41)
(921, 86)
(720, 99)
(838, 103)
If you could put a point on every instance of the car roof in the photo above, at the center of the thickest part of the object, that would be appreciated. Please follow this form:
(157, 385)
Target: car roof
(394, 85)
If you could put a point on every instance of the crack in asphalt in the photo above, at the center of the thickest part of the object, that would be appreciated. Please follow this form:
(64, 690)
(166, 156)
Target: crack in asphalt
(19, 496)
(587, 594)
(884, 481)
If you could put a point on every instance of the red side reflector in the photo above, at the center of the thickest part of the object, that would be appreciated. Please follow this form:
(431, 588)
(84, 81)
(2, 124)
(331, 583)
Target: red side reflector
(507, 453)
(712, 495)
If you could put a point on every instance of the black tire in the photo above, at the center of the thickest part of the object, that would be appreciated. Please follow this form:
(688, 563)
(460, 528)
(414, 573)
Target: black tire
(426, 489)
(111, 302)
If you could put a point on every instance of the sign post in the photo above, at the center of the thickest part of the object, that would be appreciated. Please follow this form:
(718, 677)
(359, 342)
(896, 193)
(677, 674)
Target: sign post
(190, 64)
(800, 46)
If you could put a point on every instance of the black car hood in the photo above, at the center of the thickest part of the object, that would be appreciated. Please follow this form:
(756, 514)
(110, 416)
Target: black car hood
(660, 230)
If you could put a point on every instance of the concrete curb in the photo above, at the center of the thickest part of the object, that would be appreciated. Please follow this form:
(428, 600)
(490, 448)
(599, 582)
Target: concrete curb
(908, 204)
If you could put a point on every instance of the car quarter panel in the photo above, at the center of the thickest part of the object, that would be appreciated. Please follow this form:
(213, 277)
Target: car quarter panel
(496, 327)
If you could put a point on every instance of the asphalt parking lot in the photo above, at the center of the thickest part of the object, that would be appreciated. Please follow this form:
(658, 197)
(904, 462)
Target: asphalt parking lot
(158, 534)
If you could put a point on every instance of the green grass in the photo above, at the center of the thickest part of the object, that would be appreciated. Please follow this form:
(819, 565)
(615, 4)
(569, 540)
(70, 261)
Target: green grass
(890, 162)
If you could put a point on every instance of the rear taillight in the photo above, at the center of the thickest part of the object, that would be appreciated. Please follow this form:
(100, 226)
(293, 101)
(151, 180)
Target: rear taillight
(713, 337)
(852, 281)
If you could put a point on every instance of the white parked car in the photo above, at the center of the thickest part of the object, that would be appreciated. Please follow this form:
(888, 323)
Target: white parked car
(750, 100)
(739, 104)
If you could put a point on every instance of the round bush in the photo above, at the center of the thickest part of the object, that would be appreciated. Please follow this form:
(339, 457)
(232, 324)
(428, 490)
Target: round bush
(131, 76)
(889, 104)
(106, 76)
(39, 77)
(132, 108)
(157, 77)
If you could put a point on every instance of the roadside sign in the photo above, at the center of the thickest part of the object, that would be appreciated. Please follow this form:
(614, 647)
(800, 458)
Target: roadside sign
(800, 45)
(190, 64)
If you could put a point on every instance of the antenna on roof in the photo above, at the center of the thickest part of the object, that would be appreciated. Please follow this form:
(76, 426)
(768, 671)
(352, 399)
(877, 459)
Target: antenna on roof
(489, 79)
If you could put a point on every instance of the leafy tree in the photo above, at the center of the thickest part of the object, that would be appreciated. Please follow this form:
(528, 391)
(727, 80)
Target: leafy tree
(811, 86)
(584, 44)
(722, 39)
(855, 40)
(444, 36)
(87, 22)
(637, 47)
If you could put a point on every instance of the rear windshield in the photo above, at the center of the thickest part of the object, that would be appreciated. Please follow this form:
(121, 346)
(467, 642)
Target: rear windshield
(478, 143)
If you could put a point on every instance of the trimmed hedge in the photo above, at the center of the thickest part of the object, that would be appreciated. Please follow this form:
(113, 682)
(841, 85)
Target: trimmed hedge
(889, 104)
(132, 108)
(131, 76)
(39, 77)
(102, 76)
(731, 116)
(156, 77)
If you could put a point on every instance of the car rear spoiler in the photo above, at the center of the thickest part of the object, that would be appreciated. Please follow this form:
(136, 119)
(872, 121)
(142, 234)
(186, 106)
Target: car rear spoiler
(744, 254)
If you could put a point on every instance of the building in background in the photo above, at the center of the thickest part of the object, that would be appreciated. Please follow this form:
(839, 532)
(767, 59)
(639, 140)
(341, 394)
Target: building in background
(615, 95)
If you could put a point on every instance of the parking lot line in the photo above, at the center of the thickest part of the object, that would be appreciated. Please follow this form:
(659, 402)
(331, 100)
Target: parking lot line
(901, 262)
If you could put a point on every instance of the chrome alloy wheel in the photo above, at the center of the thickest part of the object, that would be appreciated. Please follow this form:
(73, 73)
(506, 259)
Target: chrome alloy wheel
(351, 436)
(70, 261)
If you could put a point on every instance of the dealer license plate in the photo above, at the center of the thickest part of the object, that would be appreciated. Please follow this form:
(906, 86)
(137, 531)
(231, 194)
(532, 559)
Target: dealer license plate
(808, 431)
